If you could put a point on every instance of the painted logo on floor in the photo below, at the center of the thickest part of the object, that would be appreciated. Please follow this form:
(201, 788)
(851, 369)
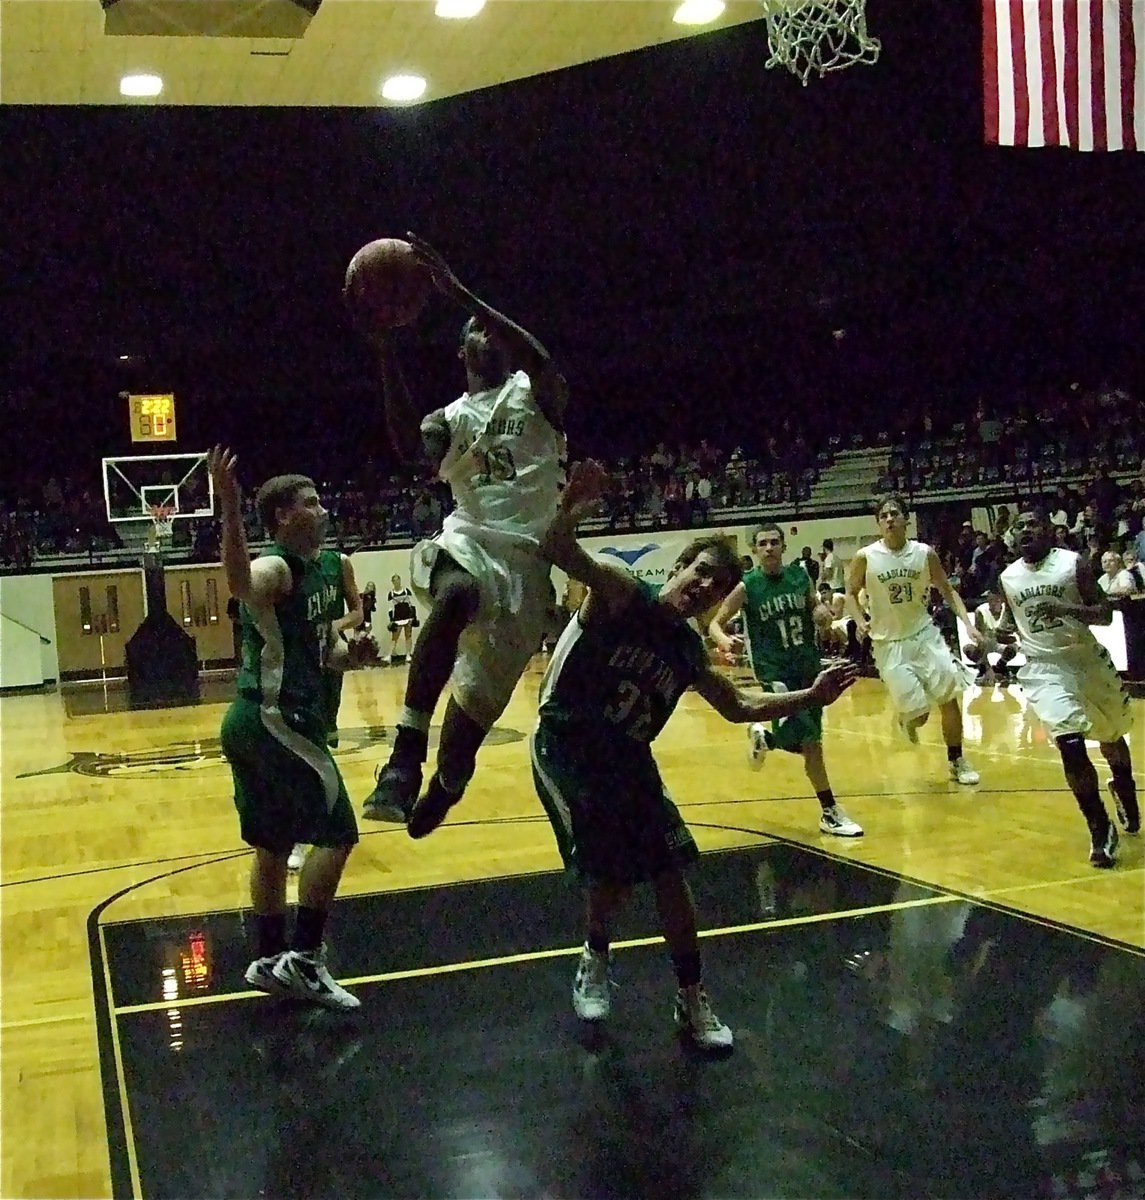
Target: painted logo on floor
(180, 757)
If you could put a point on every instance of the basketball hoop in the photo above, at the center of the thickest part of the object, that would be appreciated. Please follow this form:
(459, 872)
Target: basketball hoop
(816, 36)
(162, 522)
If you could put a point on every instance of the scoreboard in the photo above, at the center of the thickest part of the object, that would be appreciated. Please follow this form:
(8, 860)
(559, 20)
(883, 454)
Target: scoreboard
(152, 417)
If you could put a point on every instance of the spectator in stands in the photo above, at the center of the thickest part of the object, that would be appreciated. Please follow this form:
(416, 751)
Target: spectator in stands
(1132, 566)
(964, 551)
(989, 437)
(1139, 544)
(735, 478)
(979, 579)
(1003, 530)
(1104, 495)
(707, 457)
(675, 503)
(808, 563)
(952, 567)
(1114, 580)
(833, 574)
(1063, 506)
(699, 493)
(1086, 525)
(654, 503)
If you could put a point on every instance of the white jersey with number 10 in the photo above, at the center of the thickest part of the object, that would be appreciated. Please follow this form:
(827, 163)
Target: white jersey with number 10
(505, 464)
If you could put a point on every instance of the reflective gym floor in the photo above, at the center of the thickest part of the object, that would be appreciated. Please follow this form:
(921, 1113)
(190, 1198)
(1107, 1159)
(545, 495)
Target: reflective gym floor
(950, 1006)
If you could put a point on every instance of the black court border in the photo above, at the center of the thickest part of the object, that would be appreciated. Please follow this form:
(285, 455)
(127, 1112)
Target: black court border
(115, 1118)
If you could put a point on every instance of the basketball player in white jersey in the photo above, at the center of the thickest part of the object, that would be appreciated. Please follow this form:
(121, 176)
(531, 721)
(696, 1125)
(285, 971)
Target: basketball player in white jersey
(500, 447)
(912, 659)
(1069, 679)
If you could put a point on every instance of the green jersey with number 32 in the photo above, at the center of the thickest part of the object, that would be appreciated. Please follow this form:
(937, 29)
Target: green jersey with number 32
(619, 679)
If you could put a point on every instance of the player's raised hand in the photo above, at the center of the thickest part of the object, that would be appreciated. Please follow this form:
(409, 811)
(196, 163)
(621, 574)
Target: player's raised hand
(586, 484)
(444, 279)
(222, 463)
(831, 683)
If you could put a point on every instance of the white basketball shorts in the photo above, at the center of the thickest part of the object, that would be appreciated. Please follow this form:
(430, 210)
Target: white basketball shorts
(496, 646)
(920, 672)
(1079, 693)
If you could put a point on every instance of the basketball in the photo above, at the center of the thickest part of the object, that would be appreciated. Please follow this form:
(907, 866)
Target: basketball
(387, 285)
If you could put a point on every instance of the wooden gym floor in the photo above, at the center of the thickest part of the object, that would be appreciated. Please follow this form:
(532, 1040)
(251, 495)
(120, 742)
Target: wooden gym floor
(950, 1005)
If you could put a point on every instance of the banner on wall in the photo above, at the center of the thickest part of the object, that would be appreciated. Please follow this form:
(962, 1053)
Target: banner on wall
(648, 557)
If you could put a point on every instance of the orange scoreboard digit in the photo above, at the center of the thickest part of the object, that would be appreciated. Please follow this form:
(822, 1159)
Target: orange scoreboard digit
(152, 417)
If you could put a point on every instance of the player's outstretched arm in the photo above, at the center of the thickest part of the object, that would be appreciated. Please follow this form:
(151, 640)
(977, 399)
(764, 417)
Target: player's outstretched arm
(550, 391)
(1094, 608)
(856, 581)
(941, 581)
(718, 626)
(739, 707)
(261, 583)
(610, 588)
(355, 614)
(403, 421)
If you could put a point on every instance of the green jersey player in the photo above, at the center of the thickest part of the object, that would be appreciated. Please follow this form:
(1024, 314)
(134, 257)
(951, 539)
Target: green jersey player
(616, 676)
(288, 789)
(781, 615)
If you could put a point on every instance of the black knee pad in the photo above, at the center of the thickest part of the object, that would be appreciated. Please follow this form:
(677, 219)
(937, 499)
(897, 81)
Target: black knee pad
(1071, 746)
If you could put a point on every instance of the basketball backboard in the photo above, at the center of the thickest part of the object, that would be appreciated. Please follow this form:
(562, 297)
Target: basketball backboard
(133, 486)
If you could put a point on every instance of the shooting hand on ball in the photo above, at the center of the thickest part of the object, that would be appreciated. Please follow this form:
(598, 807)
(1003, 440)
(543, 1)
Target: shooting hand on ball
(444, 279)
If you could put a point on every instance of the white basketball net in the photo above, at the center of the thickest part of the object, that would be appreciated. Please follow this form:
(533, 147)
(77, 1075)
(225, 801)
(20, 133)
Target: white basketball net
(812, 37)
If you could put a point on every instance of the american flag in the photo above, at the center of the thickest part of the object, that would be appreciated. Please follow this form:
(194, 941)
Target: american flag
(1065, 73)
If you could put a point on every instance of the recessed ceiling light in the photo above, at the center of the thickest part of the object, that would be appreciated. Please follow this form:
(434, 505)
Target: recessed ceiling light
(698, 12)
(140, 85)
(403, 88)
(458, 10)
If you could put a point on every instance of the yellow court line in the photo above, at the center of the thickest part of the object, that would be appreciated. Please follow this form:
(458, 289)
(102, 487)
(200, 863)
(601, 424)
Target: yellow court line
(120, 1077)
(58, 1020)
(1092, 877)
(558, 952)
(997, 895)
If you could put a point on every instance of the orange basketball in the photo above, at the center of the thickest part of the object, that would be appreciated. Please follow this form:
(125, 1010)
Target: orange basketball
(386, 284)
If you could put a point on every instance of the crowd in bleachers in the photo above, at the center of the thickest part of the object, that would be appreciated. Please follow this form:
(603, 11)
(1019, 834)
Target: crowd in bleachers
(1072, 449)
(1027, 447)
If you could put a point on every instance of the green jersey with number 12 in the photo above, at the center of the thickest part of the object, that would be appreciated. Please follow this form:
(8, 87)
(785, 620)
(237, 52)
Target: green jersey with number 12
(780, 633)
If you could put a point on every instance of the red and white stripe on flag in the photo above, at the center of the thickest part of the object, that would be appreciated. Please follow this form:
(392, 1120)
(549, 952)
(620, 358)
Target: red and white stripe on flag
(1064, 73)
